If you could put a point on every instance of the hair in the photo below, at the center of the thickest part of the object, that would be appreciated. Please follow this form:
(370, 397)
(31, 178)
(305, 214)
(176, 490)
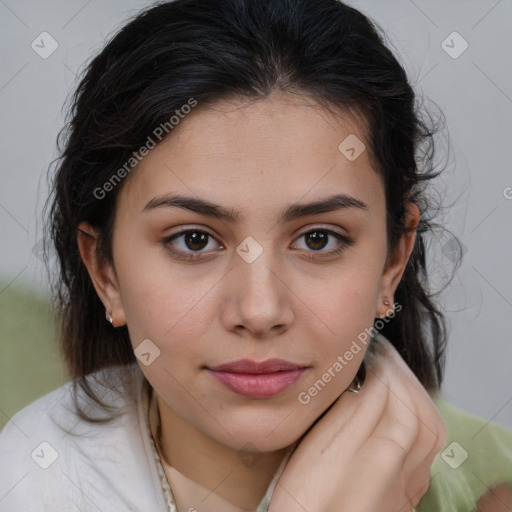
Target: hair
(211, 50)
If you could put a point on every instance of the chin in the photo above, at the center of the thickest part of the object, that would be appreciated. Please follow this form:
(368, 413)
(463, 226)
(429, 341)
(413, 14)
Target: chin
(263, 443)
(260, 436)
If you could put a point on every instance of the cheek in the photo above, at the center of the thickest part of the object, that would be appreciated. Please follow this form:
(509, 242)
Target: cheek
(350, 300)
(161, 299)
(347, 312)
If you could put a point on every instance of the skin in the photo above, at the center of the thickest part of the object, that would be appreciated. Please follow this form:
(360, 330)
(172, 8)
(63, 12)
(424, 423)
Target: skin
(498, 499)
(386, 437)
(220, 308)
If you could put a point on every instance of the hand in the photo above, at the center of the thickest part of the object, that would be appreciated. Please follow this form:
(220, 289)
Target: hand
(371, 451)
(497, 499)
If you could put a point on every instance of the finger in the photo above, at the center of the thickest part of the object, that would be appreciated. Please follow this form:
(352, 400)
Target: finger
(431, 431)
(350, 420)
(359, 412)
(423, 429)
(419, 481)
(398, 430)
(381, 459)
(417, 398)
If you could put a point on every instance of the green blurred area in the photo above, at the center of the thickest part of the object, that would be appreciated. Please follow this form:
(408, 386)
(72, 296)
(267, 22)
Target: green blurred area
(30, 364)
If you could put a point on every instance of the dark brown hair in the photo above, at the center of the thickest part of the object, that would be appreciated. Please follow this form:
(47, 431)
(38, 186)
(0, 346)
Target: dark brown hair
(216, 49)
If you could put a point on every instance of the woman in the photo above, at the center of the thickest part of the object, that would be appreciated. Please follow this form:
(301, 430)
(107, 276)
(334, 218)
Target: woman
(239, 214)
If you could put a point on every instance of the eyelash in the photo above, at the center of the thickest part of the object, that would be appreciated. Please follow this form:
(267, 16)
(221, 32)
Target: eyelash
(345, 243)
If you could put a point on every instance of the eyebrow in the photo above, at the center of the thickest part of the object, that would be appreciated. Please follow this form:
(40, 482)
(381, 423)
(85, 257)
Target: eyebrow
(293, 212)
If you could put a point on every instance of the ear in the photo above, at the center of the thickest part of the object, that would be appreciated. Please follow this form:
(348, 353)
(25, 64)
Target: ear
(397, 261)
(102, 274)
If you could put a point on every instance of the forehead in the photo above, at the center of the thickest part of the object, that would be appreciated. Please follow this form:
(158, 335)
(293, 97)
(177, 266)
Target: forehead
(255, 154)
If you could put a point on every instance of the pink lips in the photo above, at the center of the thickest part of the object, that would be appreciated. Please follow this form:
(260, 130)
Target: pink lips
(254, 379)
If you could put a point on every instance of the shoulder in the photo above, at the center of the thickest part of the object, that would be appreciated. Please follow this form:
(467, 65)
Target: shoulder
(29, 446)
(51, 459)
(476, 459)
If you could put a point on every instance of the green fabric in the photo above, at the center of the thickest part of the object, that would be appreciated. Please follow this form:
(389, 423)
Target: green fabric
(457, 484)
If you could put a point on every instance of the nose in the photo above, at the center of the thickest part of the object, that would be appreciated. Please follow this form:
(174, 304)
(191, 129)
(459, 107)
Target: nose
(258, 300)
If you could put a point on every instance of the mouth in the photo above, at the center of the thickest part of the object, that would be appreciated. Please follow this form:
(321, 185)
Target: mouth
(258, 380)
(250, 366)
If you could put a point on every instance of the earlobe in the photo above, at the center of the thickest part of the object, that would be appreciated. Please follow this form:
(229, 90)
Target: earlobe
(101, 274)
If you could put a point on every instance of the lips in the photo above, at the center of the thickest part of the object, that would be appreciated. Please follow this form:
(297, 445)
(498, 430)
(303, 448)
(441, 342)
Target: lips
(257, 380)
(250, 366)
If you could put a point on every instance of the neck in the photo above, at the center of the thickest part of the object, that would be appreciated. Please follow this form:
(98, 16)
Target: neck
(206, 475)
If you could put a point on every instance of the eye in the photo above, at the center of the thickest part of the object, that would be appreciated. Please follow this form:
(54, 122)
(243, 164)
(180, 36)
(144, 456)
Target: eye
(317, 239)
(193, 239)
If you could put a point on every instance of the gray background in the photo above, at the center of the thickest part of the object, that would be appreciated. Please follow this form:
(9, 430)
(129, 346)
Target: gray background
(474, 90)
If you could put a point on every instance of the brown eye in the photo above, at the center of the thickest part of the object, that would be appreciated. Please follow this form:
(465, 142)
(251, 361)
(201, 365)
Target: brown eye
(188, 244)
(195, 240)
(318, 239)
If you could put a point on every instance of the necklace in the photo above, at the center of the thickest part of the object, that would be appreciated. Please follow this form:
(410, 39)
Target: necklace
(166, 488)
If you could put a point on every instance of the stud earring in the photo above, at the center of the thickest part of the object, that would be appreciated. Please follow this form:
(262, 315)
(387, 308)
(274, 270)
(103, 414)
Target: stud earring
(386, 303)
(109, 317)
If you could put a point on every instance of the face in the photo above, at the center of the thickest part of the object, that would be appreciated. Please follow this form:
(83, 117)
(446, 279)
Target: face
(199, 290)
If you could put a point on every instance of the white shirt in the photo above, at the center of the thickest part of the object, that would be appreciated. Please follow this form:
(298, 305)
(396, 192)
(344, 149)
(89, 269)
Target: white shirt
(51, 460)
